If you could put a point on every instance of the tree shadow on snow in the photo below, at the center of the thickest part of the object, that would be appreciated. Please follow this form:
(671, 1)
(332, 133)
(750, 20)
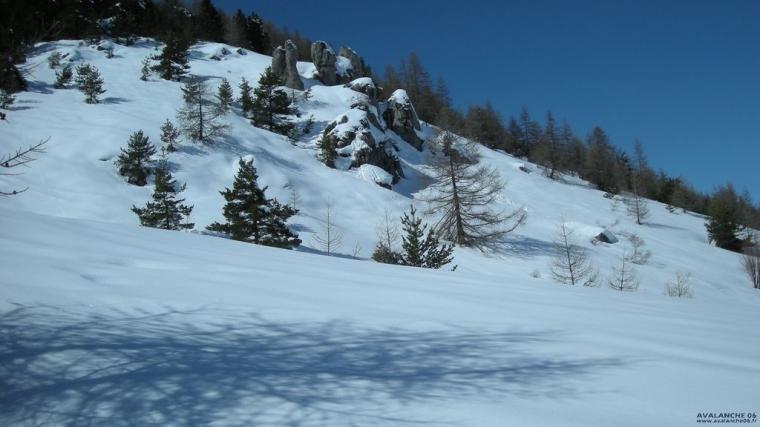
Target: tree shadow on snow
(62, 367)
(115, 100)
(523, 247)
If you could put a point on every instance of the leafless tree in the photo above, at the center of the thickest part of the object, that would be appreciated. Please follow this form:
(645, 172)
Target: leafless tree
(571, 264)
(751, 265)
(638, 255)
(331, 237)
(294, 198)
(21, 157)
(624, 277)
(463, 194)
(635, 205)
(679, 287)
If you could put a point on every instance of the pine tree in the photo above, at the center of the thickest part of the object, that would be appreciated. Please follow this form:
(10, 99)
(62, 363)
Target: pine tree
(134, 161)
(169, 136)
(207, 22)
(199, 117)
(327, 150)
(54, 60)
(92, 85)
(224, 96)
(166, 211)
(420, 249)
(145, 69)
(6, 99)
(246, 100)
(251, 217)
(83, 70)
(271, 105)
(63, 77)
(172, 61)
(726, 219)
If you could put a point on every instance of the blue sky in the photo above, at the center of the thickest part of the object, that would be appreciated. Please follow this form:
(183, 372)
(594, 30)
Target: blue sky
(682, 76)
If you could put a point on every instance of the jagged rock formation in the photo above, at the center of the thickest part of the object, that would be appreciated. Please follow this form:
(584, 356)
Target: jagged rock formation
(358, 68)
(284, 65)
(401, 117)
(323, 57)
(366, 86)
(360, 139)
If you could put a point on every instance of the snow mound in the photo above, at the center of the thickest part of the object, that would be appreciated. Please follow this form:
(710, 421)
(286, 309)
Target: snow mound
(375, 174)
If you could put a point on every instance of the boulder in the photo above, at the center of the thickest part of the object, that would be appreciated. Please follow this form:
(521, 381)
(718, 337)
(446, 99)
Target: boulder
(366, 86)
(323, 57)
(285, 65)
(606, 236)
(358, 67)
(401, 117)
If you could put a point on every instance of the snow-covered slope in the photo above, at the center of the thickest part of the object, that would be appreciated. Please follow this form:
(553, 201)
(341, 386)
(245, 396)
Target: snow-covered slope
(104, 318)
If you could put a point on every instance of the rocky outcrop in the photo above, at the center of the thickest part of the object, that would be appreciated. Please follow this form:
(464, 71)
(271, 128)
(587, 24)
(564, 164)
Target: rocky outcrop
(358, 139)
(401, 118)
(366, 86)
(358, 68)
(323, 57)
(285, 65)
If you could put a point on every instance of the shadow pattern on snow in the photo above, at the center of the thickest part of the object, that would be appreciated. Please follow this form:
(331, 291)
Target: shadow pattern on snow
(62, 367)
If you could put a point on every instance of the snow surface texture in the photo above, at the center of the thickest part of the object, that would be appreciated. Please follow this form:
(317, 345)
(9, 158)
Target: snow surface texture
(106, 322)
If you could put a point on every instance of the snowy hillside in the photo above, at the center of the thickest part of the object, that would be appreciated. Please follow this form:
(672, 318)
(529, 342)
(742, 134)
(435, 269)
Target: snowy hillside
(105, 320)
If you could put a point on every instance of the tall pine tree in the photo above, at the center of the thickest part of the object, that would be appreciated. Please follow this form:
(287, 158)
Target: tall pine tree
(251, 217)
(199, 117)
(271, 105)
(172, 61)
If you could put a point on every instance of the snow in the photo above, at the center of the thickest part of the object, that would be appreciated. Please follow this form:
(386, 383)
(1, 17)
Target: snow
(103, 321)
(374, 174)
(400, 96)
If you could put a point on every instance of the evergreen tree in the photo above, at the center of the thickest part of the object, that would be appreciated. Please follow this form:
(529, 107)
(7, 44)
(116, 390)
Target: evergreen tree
(63, 77)
(530, 134)
(145, 69)
(134, 161)
(328, 151)
(251, 217)
(420, 249)
(172, 61)
(166, 210)
(207, 22)
(600, 165)
(54, 60)
(246, 100)
(92, 86)
(726, 219)
(6, 99)
(271, 105)
(169, 136)
(256, 38)
(199, 117)
(224, 96)
(83, 70)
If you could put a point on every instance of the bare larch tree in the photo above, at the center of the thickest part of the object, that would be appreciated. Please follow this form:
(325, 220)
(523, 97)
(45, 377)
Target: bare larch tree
(331, 237)
(463, 194)
(22, 157)
(571, 264)
(624, 277)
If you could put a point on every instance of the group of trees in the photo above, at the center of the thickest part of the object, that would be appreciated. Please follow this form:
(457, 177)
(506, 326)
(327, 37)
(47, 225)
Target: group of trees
(250, 215)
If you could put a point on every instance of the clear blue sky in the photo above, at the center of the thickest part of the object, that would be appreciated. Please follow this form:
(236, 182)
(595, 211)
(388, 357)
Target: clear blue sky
(682, 76)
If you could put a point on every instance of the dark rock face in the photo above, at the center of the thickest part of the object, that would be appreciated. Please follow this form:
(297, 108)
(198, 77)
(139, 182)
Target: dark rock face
(360, 138)
(285, 65)
(323, 57)
(401, 117)
(358, 67)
